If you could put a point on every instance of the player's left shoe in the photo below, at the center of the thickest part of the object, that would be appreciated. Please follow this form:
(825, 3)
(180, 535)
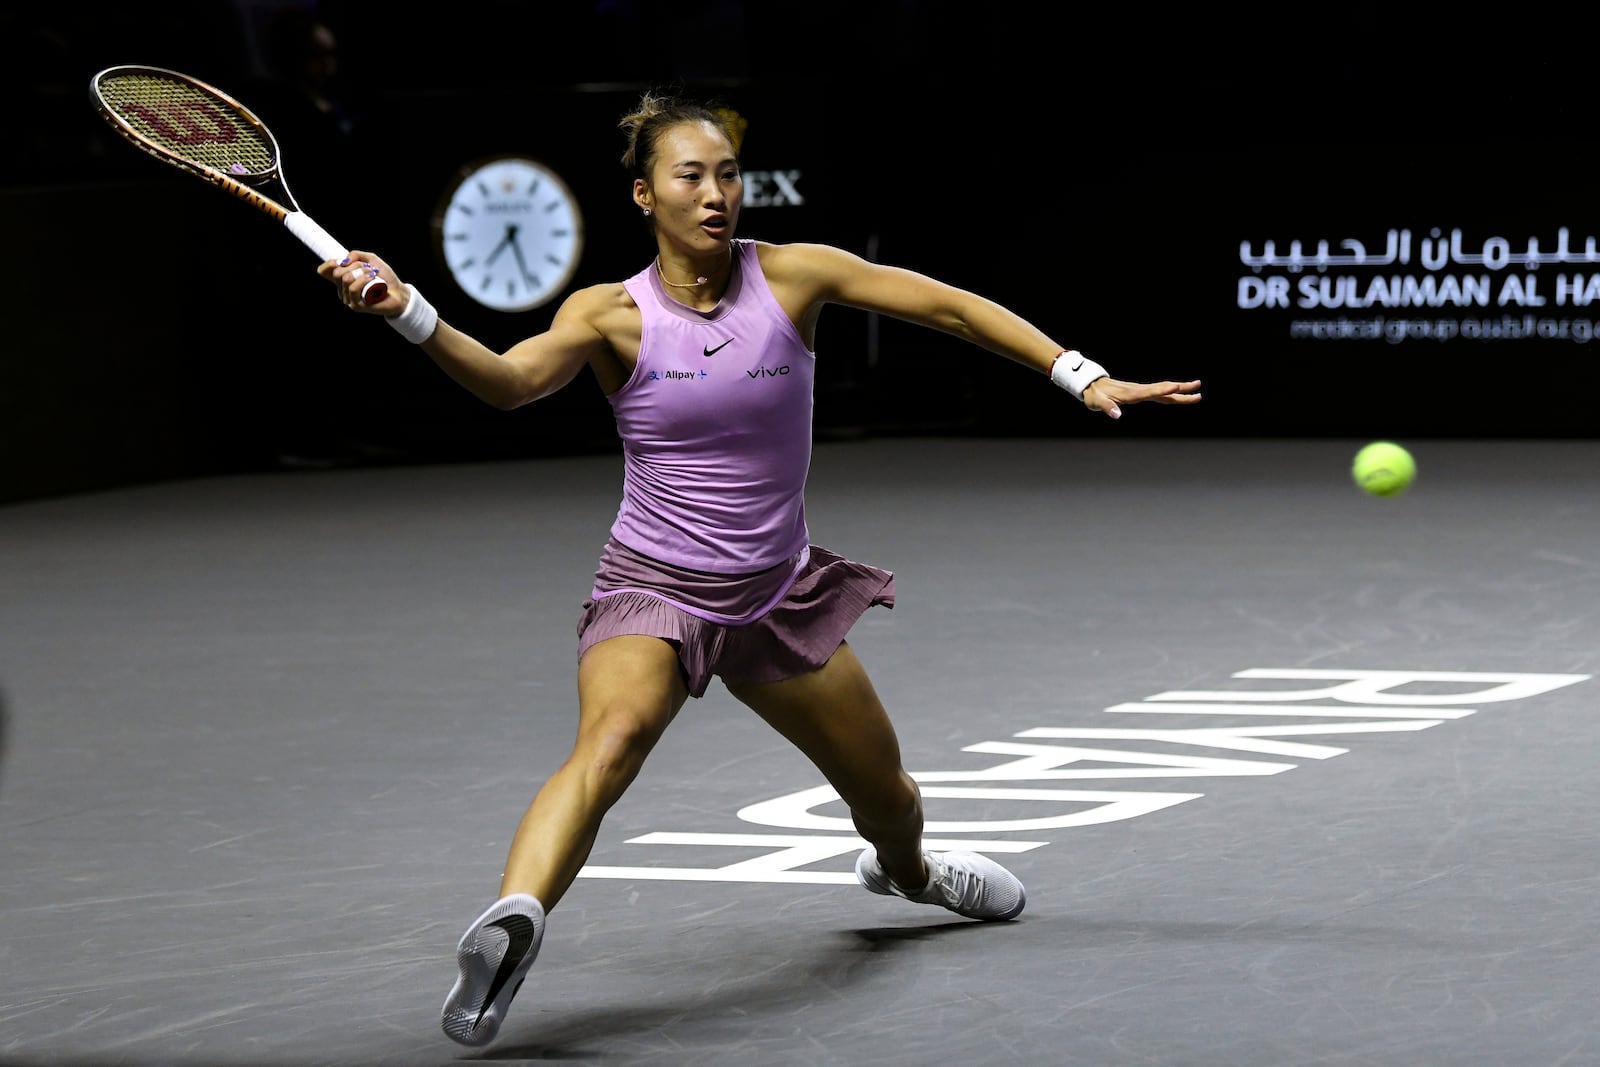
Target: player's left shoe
(494, 956)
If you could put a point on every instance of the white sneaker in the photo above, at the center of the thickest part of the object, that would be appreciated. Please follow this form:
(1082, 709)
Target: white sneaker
(494, 956)
(968, 884)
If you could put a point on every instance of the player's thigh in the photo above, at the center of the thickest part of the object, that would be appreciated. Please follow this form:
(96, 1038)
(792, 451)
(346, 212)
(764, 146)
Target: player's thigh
(834, 716)
(629, 690)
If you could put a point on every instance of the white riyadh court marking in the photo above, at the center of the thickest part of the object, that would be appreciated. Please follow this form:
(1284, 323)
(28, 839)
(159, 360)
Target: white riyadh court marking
(1324, 711)
(794, 810)
(1377, 687)
(790, 851)
(1358, 702)
(1245, 738)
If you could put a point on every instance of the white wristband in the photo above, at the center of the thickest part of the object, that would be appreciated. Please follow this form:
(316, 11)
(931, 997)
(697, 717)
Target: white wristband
(416, 323)
(1075, 372)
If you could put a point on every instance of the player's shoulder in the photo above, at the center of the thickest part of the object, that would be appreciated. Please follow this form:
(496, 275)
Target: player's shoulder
(593, 302)
(802, 257)
(602, 294)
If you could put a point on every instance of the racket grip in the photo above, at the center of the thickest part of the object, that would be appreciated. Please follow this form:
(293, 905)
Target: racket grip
(322, 243)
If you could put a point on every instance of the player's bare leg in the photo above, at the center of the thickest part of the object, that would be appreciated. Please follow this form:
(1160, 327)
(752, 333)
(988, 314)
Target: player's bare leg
(629, 690)
(834, 716)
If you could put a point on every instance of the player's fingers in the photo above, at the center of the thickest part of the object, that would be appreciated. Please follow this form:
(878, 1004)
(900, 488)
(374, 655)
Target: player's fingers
(365, 258)
(350, 279)
(358, 274)
(1180, 392)
(1156, 390)
(1098, 397)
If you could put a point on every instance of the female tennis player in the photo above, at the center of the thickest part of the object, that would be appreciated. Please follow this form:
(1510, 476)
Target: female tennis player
(706, 358)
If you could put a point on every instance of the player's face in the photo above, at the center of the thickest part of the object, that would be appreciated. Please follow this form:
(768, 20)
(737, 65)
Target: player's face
(695, 188)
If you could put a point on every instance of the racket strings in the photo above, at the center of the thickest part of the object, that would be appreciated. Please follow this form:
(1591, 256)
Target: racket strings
(188, 122)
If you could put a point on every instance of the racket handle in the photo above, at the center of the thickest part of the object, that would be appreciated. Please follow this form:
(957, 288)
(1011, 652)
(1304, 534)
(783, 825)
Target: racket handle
(322, 243)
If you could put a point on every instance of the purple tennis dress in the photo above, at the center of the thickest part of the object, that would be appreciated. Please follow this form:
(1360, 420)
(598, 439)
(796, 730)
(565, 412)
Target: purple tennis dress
(710, 549)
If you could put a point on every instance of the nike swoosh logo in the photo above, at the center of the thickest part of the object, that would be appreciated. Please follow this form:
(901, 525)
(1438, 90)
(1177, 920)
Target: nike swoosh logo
(519, 928)
(719, 348)
(1079, 366)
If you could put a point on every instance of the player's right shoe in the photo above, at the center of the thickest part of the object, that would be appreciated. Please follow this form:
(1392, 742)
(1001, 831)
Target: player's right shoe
(968, 884)
(494, 956)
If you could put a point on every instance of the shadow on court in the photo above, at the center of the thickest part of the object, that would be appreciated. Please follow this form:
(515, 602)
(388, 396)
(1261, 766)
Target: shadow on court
(844, 966)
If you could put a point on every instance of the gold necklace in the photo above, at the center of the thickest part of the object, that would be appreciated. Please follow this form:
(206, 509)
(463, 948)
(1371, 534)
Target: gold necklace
(699, 281)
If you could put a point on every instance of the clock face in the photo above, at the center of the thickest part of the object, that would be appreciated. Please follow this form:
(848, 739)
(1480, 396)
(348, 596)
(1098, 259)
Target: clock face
(510, 233)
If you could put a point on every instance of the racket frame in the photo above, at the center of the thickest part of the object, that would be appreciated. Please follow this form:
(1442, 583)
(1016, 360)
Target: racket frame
(287, 212)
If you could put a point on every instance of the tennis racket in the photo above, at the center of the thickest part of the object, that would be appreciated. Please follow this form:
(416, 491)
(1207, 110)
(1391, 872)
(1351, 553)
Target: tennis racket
(204, 131)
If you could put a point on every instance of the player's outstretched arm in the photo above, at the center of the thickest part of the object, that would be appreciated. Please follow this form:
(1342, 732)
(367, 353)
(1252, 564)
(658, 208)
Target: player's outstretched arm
(826, 274)
(528, 370)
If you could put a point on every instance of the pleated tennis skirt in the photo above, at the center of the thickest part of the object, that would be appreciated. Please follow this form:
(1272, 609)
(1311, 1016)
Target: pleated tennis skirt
(799, 634)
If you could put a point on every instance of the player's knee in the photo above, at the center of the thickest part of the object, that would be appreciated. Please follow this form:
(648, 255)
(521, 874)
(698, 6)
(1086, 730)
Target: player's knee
(614, 748)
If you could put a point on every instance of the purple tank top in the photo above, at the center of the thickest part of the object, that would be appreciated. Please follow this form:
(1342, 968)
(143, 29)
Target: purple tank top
(715, 424)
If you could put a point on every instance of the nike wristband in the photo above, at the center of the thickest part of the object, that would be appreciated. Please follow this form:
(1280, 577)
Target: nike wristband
(417, 322)
(1075, 372)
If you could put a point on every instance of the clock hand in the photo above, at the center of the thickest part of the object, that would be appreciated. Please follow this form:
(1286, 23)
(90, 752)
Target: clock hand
(516, 250)
(511, 233)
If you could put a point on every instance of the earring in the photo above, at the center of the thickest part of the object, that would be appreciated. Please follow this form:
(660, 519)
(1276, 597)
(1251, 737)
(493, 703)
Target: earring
(646, 212)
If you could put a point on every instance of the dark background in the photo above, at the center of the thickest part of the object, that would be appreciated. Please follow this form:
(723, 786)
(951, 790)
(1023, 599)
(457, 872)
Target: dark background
(1093, 169)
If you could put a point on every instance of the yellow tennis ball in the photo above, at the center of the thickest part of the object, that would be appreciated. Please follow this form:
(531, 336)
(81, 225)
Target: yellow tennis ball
(1383, 468)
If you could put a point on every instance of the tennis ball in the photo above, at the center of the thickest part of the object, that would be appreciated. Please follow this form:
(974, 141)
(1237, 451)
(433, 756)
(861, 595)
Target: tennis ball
(1383, 468)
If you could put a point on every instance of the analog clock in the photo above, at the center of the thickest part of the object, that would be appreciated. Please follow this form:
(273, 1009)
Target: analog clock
(510, 232)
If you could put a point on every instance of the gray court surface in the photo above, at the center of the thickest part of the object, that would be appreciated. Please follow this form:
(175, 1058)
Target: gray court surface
(1293, 775)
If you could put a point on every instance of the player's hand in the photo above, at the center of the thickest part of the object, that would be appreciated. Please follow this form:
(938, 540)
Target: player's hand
(1109, 395)
(350, 276)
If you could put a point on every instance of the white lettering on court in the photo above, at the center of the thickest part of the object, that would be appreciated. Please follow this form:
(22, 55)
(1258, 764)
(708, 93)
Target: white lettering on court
(1350, 703)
